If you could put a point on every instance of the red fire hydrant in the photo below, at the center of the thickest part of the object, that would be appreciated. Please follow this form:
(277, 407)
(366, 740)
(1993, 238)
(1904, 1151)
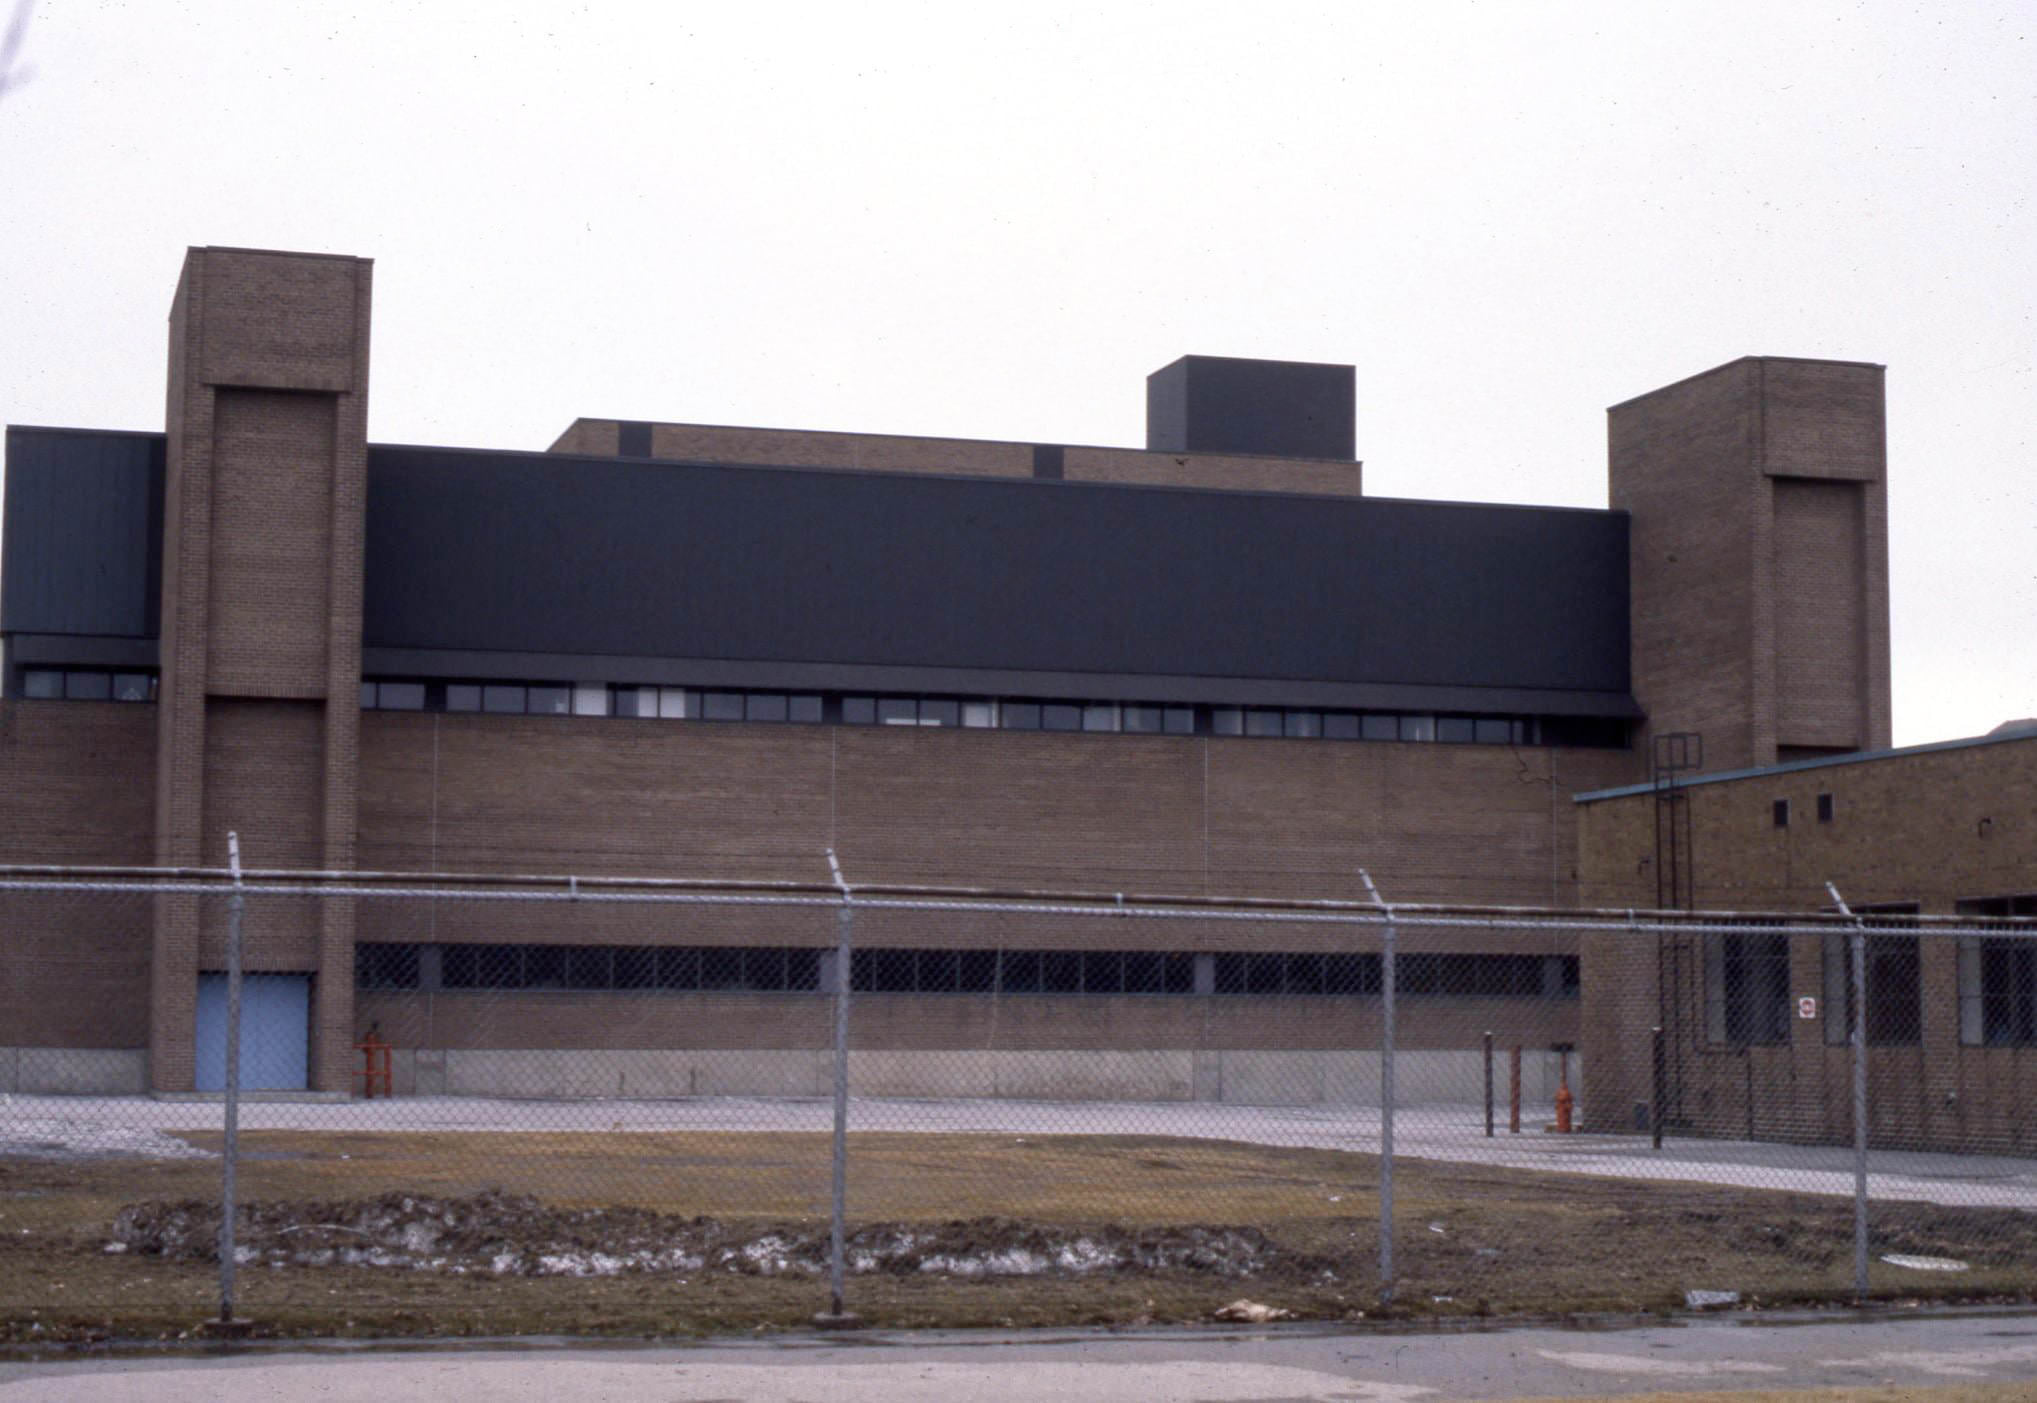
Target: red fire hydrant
(375, 1066)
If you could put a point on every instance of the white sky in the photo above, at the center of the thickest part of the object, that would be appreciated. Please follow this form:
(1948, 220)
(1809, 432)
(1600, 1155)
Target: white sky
(994, 222)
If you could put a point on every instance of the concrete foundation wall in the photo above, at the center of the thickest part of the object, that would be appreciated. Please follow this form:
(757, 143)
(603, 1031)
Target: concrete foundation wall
(73, 1071)
(1255, 1078)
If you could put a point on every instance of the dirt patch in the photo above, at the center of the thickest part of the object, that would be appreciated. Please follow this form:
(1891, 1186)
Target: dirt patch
(451, 1234)
(498, 1234)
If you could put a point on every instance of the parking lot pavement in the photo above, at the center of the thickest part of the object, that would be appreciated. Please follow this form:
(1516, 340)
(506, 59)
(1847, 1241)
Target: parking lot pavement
(58, 1125)
(1994, 1355)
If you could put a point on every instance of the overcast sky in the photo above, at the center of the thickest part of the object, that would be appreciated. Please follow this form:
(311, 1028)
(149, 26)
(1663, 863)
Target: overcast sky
(994, 221)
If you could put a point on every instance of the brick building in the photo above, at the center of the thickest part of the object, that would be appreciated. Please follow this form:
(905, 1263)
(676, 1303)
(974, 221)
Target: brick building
(1208, 666)
(1946, 830)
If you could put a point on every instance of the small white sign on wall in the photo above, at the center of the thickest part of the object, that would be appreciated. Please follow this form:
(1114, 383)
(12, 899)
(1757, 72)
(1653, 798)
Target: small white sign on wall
(1807, 1007)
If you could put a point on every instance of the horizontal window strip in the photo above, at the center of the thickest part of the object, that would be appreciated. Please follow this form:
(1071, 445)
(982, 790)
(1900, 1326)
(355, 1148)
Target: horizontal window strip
(1162, 718)
(891, 970)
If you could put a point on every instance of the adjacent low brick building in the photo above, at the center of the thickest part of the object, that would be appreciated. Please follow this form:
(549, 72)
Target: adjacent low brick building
(1756, 1023)
(1208, 666)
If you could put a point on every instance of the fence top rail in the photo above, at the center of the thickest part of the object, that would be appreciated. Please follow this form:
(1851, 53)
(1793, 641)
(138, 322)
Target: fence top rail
(482, 886)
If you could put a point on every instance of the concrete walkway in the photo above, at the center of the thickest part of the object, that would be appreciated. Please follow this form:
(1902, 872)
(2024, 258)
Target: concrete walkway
(58, 1125)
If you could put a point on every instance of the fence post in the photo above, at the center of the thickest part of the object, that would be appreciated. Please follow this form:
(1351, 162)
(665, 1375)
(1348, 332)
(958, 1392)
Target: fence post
(1488, 1083)
(1657, 1091)
(228, 1188)
(1386, 1093)
(836, 1317)
(1857, 940)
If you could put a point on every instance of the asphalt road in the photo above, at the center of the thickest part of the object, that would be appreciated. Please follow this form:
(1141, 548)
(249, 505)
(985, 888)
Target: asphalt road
(1993, 1352)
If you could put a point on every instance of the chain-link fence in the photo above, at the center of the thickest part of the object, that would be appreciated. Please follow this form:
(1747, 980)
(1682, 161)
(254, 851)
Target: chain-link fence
(502, 1105)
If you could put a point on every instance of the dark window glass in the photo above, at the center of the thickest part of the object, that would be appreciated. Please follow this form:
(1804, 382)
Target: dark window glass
(764, 970)
(1824, 808)
(940, 711)
(721, 969)
(1180, 974)
(1021, 716)
(469, 966)
(976, 971)
(88, 686)
(804, 709)
(1340, 725)
(1179, 720)
(1456, 730)
(1302, 725)
(1145, 972)
(1142, 719)
(636, 967)
(1754, 985)
(802, 970)
(1378, 727)
(544, 966)
(1493, 730)
(1061, 972)
(1021, 971)
(134, 687)
(1227, 721)
(1103, 972)
(588, 967)
(1420, 727)
(859, 711)
(367, 696)
(462, 696)
(1782, 813)
(401, 696)
(679, 968)
(721, 706)
(550, 701)
(897, 971)
(2008, 992)
(503, 698)
(385, 966)
(40, 684)
(1230, 973)
(1352, 974)
(898, 711)
(939, 970)
(766, 706)
(1060, 716)
(1304, 974)
(1265, 974)
(1261, 722)
(624, 701)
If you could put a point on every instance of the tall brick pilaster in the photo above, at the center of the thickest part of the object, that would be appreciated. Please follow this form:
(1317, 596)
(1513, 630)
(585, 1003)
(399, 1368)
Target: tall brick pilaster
(1759, 557)
(259, 713)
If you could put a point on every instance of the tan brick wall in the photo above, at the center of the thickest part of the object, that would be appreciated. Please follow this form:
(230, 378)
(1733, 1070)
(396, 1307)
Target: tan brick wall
(1109, 813)
(894, 453)
(1681, 465)
(900, 453)
(1235, 472)
(77, 785)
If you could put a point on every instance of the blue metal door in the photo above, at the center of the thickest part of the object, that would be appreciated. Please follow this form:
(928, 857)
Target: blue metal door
(275, 1032)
